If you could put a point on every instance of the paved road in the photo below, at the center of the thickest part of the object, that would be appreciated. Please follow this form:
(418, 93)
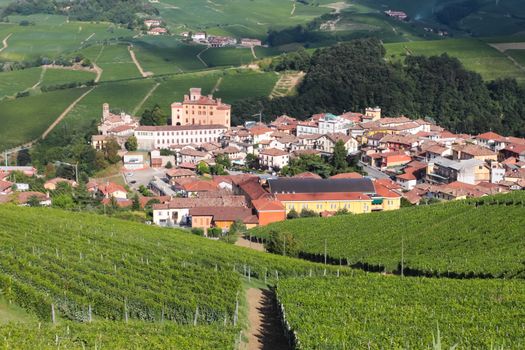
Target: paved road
(373, 172)
(142, 177)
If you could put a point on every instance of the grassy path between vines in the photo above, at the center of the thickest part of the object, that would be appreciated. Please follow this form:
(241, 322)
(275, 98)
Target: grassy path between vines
(266, 332)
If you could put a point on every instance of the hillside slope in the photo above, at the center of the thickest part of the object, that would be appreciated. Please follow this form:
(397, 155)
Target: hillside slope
(86, 268)
(454, 239)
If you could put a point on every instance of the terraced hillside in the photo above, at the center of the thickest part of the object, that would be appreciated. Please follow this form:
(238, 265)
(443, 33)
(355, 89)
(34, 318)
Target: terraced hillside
(457, 239)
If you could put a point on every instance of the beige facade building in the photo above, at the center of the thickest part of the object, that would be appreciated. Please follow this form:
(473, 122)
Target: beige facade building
(200, 110)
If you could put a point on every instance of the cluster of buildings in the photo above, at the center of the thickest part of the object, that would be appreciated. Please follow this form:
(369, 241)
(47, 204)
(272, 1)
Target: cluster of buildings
(154, 27)
(399, 15)
(220, 41)
(220, 201)
(404, 158)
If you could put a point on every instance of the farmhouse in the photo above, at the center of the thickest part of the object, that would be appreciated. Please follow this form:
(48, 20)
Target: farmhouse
(197, 109)
(152, 23)
(157, 31)
(400, 15)
(199, 36)
(247, 42)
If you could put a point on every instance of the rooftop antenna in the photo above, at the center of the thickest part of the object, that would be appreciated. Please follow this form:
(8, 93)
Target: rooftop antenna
(258, 115)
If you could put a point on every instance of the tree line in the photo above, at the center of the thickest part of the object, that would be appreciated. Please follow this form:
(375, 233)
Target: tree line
(355, 75)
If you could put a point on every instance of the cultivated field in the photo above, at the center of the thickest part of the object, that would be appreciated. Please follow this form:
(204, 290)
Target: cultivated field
(450, 239)
(63, 76)
(475, 55)
(389, 312)
(17, 81)
(235, 17)
(51, 36)
(25, 119)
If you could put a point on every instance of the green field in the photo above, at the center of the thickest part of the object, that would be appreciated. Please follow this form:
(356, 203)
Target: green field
(475, 55)
(167, 55)
(388, 312)
(17, 81)
(121, 96)
(64, 76)
(236, 86)
(17, 117)
(518, 55)
(451, 239)
(235, 17)
(116, 63)
(52, 36)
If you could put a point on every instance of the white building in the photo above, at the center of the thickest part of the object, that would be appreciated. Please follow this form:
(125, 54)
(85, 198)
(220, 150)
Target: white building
(273, 158)
(133, 161)
(158, 137)
(330, 123)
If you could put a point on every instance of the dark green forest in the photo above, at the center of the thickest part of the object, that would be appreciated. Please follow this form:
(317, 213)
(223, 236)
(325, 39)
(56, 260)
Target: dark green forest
(352, 76)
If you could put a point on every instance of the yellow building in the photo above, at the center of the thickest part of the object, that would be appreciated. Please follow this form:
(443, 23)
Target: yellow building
(330, 195)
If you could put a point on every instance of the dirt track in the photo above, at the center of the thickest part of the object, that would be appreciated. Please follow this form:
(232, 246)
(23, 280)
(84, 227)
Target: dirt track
(4, 42)
(265, 331)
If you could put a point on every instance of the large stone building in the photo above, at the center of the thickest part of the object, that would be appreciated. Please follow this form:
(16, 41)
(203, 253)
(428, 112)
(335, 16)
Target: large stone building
(165, 136)
(200, 110)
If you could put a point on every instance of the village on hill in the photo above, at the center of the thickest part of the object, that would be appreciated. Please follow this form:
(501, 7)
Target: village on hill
(200, 172)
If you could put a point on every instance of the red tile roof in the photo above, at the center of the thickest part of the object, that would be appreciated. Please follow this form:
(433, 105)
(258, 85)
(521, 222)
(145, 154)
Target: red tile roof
(307, 174)
(111, 187)
(273, 152)
(352, 175)
(267, 204)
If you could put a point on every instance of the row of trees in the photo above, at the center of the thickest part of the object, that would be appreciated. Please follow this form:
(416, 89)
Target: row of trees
(355, 75)
(338, 163)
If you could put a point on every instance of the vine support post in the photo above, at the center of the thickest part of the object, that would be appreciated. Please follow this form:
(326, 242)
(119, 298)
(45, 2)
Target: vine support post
(196, 315)
(53, 319)
(325, 251)
(89, 314)
(402, 256)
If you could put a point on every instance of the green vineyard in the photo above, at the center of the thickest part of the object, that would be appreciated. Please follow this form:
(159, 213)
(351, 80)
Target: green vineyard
(389, 312)
(113, 335)
(62, 266)
(483, 238)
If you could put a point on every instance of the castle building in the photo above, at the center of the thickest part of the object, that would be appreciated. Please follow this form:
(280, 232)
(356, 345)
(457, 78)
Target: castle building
(117, 126)
(200, 110)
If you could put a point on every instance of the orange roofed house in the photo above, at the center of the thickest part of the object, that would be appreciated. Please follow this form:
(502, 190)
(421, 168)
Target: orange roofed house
(222, 217)
(197, 109)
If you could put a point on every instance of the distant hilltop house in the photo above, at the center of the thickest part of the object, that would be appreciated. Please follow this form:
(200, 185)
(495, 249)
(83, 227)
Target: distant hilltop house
(157, 31)
(185, 34)
(199, 36)
(221, 41)
(150, 23)
(400, 15)
(118, 126)
(247, 42)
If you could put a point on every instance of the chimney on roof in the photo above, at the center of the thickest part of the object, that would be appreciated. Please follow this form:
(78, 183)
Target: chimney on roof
(219, 101)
